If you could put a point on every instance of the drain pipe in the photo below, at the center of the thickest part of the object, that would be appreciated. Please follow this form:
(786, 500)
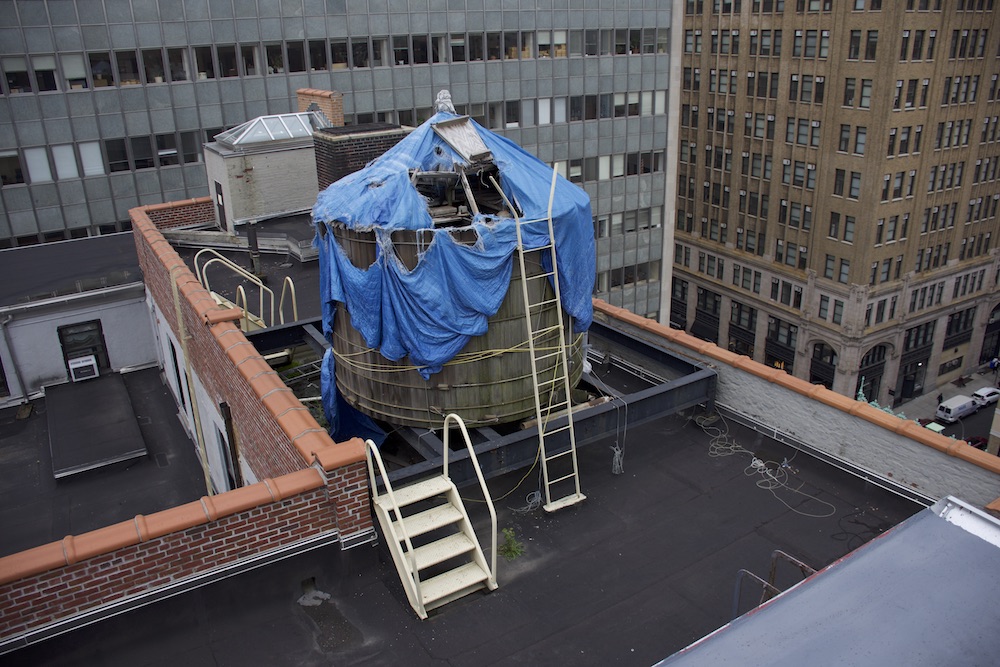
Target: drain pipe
(182, 334)
(254, 248)
(10, 348)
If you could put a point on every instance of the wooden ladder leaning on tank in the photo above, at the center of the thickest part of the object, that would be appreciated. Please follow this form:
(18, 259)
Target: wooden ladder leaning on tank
(556, 437)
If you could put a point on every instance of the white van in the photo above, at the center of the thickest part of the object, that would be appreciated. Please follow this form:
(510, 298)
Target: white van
(955, 408)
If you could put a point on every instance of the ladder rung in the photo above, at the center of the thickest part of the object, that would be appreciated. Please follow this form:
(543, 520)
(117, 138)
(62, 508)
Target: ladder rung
(558, 455)
(543, 304)
(555, 407)
(555, 430)
(548, 355)
(537, 276)
(538, 333)
(562, 479)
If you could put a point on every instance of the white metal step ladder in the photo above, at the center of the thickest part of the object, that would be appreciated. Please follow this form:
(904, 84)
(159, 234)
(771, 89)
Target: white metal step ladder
(429, 534)
(560, 470)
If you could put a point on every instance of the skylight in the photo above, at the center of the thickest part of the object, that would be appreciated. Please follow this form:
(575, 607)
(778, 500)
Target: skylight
(266, 129)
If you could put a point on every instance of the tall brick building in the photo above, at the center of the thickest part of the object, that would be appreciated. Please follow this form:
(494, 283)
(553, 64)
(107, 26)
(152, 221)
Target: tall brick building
(837, 188)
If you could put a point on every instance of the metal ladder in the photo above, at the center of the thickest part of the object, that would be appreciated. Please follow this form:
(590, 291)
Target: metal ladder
(429, 534)
(560, 470)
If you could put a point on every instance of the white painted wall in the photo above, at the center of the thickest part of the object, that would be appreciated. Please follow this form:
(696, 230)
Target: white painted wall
(34, 340)
(208, 410)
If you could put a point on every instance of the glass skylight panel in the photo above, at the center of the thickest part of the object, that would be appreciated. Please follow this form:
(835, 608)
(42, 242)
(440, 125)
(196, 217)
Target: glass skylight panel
(275, 127)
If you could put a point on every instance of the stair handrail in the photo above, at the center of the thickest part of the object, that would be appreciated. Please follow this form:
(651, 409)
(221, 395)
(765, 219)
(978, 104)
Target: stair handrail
(371, 450)
(241, 295)
(482, 483)
(201, 273)
(288, 285)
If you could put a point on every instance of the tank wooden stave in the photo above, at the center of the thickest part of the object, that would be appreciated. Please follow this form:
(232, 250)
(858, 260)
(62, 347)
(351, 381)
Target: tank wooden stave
(488, 382)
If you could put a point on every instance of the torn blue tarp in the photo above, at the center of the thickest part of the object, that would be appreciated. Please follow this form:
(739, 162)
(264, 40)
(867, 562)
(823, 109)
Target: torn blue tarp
(429, 313)
(345, 422)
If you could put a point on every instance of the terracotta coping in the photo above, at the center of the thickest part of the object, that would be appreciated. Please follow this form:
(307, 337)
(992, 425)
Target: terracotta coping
(905, 427)
(289, 413)
(73, 549)
(223, 315)
(316, 92)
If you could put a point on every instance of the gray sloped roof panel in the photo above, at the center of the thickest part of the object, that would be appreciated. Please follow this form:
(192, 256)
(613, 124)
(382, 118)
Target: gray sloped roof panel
(924, 593)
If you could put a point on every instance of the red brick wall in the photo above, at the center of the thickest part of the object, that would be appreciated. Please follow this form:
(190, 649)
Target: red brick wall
(228, 365)
(330, 102)
(74, 579)
(187, 213)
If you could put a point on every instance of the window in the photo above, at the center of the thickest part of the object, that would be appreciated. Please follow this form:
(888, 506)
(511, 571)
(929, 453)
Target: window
(45, 72)
(117, 155)
(100, 69)
(204, 62)
(855, 190)
(866, 94)
(228, 64)
(806, 88)
(850, 89)
(838, 182)
(811, 43)
(142, 153)
(871, 44)
(854, 45)
(845, 270)
(296, 60)
(838, 311)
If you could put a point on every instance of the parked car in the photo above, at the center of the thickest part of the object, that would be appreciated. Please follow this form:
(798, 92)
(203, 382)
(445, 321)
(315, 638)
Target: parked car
(978, 442)
(986, 395)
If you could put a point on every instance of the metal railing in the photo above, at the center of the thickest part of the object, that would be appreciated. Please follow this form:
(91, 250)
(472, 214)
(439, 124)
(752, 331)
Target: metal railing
(452, 417)
(371, 450)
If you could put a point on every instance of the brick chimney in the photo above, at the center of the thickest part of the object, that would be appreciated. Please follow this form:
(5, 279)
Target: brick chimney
(330, 102)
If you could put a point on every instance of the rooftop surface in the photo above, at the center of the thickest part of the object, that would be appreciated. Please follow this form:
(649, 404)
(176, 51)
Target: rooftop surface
(644, 567)
(36, 508)
(67, 267)
(898, 577)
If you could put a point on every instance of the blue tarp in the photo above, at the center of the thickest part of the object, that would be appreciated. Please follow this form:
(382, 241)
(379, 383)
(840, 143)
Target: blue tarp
(428, 314)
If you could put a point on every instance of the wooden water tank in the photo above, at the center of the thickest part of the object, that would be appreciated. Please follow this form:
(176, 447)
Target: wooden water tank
(488, 382)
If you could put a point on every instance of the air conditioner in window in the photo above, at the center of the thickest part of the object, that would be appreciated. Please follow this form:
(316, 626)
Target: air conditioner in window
(83, 368)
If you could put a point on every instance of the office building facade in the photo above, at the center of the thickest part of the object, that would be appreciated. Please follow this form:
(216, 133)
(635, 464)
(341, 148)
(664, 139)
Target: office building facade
(106, 104)
(837, 188)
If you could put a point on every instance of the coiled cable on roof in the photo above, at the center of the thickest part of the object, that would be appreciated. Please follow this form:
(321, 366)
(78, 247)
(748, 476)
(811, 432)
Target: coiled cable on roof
(621, 430)
(774, 476)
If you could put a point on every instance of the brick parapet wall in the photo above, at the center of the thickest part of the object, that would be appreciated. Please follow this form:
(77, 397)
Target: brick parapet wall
(79, 573)
(330, 102)
(187, 213)
(228, 366)
(82, 573)
(338, 155)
